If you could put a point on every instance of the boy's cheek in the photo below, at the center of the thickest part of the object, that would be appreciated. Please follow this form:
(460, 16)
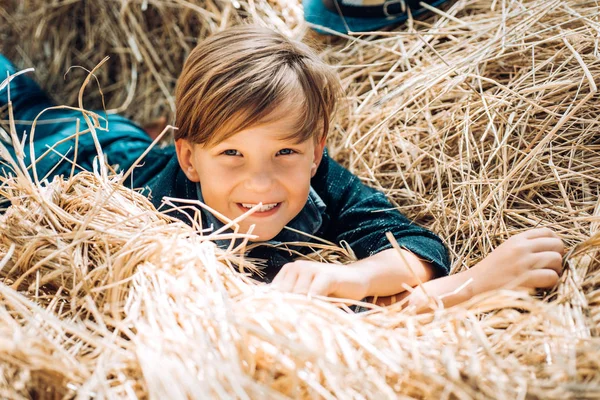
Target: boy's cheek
(215, 200)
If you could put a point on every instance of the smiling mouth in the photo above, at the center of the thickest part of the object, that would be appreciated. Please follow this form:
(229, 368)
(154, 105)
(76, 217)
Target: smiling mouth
(264, 208)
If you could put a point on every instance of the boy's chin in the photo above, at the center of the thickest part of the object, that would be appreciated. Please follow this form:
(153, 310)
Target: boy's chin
(262, 236)
(265, 233)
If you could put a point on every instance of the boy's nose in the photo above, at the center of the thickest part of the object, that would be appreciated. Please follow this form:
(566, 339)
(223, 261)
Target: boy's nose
(259, 182)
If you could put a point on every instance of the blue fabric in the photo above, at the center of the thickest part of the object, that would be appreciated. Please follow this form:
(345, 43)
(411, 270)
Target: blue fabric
(317, 14)
(122, 143)
(339, 207)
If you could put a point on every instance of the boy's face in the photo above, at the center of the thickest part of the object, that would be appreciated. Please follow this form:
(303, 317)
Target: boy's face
(255, 165)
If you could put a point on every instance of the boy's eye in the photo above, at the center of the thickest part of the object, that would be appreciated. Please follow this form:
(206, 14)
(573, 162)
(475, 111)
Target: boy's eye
(231, 152)
(285, 152)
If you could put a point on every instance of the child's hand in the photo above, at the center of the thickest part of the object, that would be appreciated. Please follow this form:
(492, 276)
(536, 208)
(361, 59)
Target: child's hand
(315, 278)
(532, 259)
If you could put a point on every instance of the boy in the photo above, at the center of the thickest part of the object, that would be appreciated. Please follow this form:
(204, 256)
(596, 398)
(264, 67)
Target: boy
(253, 112)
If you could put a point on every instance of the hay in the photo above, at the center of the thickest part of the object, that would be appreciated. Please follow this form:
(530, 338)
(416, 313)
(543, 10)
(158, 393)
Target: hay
(480, 122)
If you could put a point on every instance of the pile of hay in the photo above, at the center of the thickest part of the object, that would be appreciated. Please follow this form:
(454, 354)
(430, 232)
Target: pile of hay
(480, 121)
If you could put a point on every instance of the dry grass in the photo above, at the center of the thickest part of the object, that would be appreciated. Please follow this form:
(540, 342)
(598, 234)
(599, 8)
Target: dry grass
(480, 122)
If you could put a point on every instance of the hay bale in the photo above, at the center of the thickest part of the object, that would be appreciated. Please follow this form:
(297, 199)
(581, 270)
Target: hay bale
(480, 121)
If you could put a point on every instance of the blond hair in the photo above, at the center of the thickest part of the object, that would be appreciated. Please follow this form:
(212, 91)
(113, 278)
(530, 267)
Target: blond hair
(238, 77)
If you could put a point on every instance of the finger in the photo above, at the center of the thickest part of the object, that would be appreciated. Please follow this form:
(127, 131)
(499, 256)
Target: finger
(303, 283)
(320, 287)
(541, 278)
(540, 232)
(549, 260)
(542, 244)
(288, 282)
(280, 277)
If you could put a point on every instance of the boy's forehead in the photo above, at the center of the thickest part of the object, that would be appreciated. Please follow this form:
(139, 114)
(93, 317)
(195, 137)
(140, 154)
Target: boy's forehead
(279, 125)
(264, 133)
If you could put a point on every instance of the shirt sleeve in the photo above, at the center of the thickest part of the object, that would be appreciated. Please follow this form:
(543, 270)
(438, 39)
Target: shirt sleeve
(361, 216)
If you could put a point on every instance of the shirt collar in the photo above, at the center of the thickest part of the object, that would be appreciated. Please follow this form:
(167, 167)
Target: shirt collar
(308, 221)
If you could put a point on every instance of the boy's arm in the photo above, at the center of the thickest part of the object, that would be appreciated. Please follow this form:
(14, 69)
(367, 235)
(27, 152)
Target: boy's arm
(532, 259)
(384, 274)
(391, 271)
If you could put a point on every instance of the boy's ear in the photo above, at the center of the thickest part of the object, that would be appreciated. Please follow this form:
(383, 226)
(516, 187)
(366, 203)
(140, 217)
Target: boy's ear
(318, 156)
(185, 152)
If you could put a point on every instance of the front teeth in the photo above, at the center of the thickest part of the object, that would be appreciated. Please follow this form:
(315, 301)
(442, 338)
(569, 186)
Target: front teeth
(263, 208)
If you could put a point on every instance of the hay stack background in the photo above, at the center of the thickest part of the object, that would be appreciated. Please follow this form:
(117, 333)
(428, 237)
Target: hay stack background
(480, 121)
